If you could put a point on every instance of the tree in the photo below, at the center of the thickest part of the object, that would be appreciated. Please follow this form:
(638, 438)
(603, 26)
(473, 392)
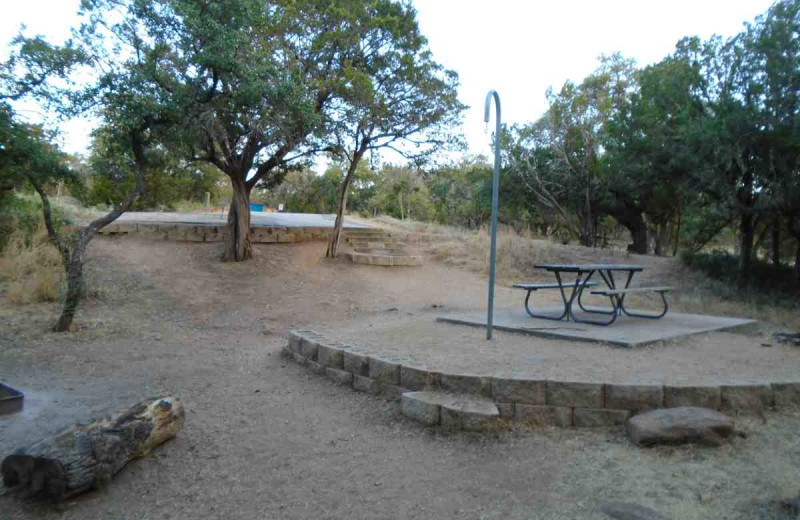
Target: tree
(402, 193)
(559, 157)
(117, 93)
(647, 159)
(395, 97)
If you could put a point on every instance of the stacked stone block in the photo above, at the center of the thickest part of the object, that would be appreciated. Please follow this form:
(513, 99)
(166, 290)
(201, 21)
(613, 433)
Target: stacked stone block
(476, 402)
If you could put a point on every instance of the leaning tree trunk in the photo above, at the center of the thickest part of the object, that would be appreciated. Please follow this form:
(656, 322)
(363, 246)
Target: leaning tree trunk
(76, 287)
(237, 234)
(88, 456)
(333, 243)
(73, 258)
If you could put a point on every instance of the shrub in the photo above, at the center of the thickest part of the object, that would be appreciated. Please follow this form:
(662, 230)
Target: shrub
(32, 266)
(769, 284)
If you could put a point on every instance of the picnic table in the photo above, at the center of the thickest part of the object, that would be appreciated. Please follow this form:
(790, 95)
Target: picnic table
(572, 291)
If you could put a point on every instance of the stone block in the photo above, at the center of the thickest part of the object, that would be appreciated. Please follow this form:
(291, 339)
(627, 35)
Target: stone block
(575, 394)
(299, 359)
(593, 418)
(355, 363)
(383, 371)
(634, 396)
(466, 384)
(287, 352)
(364, 384)
(309, 346)
(679, 396)
(315, 367)
(786, 394)
(415, 405)
(381, 260)
(390, 392)
(340, 377)
(506, 410)
(519, 390)
(331, 355)
(746, 395)
(416, 378)
(294, 341)
(543, 415)
(450, 419)
(472, 414)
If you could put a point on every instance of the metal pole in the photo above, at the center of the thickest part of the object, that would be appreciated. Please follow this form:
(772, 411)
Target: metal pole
(495, 189)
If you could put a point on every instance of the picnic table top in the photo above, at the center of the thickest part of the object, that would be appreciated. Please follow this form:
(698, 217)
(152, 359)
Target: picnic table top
(590, 267)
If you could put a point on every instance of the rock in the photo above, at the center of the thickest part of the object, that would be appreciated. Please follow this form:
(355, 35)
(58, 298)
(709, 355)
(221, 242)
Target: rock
(625, 511)
(679, 425)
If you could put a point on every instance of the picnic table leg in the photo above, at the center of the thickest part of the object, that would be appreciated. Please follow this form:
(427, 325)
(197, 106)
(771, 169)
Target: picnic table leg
(647, 315)
(613, 312)
(542, 316)
(580, 294)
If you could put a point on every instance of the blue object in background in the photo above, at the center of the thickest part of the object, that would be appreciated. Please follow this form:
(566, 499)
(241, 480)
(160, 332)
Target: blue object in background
(256, 207)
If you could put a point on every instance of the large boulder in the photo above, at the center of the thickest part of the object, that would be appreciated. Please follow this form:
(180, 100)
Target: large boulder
(680, 425)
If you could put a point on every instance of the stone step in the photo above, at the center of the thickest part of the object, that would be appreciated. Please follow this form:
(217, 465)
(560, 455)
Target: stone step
(391, 251)
(384, 260)
(455, 411)
(370, 233)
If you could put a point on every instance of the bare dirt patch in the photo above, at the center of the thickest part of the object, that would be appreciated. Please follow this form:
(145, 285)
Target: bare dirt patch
(264, 439)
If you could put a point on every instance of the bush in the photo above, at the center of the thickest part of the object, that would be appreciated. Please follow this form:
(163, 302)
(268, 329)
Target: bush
(33, 267)
(769, 284)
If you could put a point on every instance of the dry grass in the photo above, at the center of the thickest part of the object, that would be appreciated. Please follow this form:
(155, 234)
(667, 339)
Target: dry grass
(32, 267)
(518, 253)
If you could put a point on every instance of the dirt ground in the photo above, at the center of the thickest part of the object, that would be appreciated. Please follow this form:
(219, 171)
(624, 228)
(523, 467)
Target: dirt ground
(265, 439)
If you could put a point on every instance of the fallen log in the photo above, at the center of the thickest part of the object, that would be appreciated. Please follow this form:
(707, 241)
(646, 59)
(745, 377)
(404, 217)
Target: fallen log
(87, 456)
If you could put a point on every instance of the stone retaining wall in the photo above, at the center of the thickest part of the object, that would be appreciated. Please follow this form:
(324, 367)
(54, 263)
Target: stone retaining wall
(539, 401)
(199, 233)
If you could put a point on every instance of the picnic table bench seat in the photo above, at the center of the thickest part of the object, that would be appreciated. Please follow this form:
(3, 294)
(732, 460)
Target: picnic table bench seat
(610, 292)
(620, 295)
(532, 287)
(537, 286)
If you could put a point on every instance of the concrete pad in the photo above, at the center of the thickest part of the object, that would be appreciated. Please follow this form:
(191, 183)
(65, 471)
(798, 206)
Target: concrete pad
(257, 218)
(625, 332)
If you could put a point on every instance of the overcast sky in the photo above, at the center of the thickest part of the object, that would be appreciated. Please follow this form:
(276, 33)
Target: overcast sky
(518, 47)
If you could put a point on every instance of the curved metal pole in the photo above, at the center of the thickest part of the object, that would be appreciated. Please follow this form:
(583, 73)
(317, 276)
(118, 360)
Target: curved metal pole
(495, 189)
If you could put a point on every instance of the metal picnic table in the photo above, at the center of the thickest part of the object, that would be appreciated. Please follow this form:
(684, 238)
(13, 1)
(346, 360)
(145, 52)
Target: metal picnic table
(583, 279)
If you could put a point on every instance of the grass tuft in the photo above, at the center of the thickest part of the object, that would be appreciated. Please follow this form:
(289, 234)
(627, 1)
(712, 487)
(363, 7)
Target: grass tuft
(33, 268)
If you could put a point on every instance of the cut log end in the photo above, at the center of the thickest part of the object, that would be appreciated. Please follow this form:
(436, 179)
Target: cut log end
(87, 456)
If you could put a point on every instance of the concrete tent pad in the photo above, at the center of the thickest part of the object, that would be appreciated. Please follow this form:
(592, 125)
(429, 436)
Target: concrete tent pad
(625, 332)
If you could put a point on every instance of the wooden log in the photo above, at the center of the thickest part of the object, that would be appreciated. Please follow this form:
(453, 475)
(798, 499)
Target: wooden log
(87, 456)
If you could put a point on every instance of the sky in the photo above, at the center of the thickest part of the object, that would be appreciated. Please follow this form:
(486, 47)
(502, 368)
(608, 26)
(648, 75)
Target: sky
(517, 47)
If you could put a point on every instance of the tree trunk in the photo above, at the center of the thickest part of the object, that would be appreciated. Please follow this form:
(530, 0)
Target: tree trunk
(797, 261)
(237, 234)
(630, 216)
(77, 255)
(746, 236)
(776, 244)
(333, 244)
(85, 457)
(678, 232)
(76, 287)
